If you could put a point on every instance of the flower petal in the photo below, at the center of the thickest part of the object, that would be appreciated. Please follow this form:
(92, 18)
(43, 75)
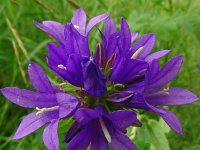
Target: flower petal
(112, 45)
(121, 97)
(74, 129)
(79, 20)
(74, 66)
(156, 55)
(120, 141)
(172, 120)
(81, 141)
(29, 99)
(120, 120)
(140, 102)
(98, 141)
(75, 42)
(57, 53)
(39, 79)
(147, 41)
(125, 38)
(68, 104)
(121, 74)
(95, 20)
(167, 73)
(85, 115)
(94, 80)
(176, 96)
(54, 29)
(133, 36)
(50, 136)
(32, 122)
(109, 27)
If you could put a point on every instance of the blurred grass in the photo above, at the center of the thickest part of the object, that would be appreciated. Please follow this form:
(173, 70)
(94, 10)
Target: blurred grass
(176, 24)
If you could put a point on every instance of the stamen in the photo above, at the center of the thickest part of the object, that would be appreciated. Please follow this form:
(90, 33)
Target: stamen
(136, 54)
(44, 110)
(62, 67)
(91, 59)
(164, 91)
(105, 130)
(76, 26)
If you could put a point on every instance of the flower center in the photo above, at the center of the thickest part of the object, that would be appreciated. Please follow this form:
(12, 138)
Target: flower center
(44, 110)
(136, 54)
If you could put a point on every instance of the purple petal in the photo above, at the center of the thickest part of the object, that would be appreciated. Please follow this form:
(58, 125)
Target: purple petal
(133, 36)
(152, 72)
(79, 20)
(125, 38)
(94, 80)
(176, 96)
(29, 99)
(120, 141)
(112, 45)
(54, 29)
(121, 74)
(75, 41)
(61, 63)
(100, 55)
(98, 141)
(85, 115)
(68, 67)
(121, 97)
(94, 21)
(39, 79)
(50, 136)
(71, 44)
(57, 54)
(74, 129)
(81, 141)
(32, 122)
(147, 41)
(64, 74)
(122, 119)
(140, 102)
(74, 66)
(168, 72)
(109, 27)
(136, 88)
(67, 103)
(156, 55)
(172, 120)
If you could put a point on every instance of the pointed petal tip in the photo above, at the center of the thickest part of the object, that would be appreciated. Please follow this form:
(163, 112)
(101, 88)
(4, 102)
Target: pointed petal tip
(34, 21)
(4, 90)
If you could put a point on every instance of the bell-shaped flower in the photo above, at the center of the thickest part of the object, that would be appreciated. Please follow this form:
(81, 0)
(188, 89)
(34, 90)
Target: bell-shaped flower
(97, 129)
(50, 104)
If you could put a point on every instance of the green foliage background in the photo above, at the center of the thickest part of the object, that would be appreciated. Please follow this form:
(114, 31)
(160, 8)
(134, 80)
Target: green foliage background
(176, 24)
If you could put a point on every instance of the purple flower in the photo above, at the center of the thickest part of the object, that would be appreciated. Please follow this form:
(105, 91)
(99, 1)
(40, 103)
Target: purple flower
(151, 94)
(56, 29)
(51, 105)
(121, 74)
(97, 129)
(71, 59)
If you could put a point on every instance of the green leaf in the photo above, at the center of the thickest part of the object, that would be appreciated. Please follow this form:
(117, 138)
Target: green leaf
(196, 147)
(164, 126)
(142, 140)
(157, 136)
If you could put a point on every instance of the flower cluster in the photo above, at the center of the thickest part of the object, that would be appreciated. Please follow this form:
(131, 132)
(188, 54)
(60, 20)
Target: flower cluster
(121, 76)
